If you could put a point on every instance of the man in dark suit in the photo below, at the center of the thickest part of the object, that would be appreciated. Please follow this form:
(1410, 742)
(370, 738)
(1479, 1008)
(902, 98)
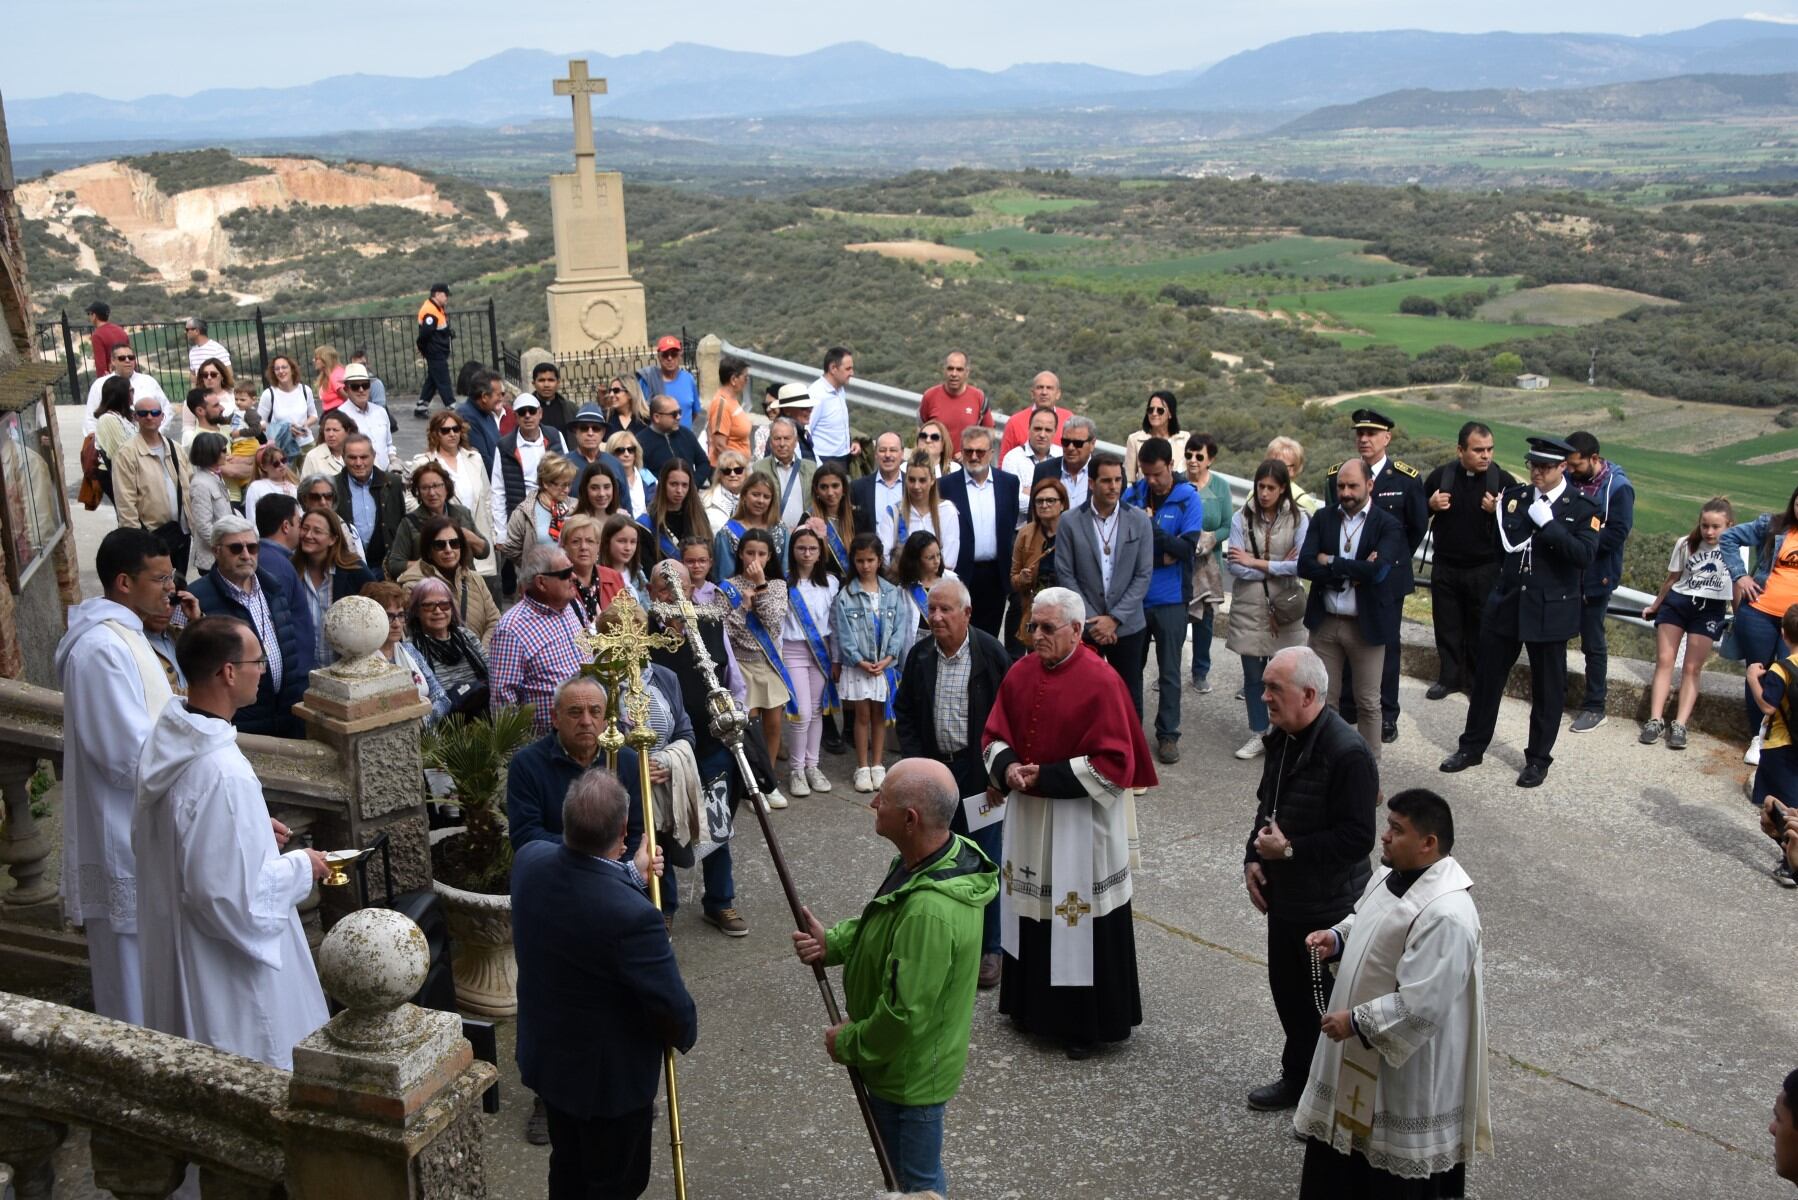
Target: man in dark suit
(277, 520)
(947, 687)
(237, 587)
(370, 501)
(1464, 553)
(1397, 488)
(987, 501)
(481, 413)
(1105, 551)
(600, 996)
(1350, 554)
(873, 494)
(1549, 532)
(1079, 438)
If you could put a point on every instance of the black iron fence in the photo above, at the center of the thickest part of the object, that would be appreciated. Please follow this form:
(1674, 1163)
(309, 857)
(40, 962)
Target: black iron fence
(584, 374)
(162, 347)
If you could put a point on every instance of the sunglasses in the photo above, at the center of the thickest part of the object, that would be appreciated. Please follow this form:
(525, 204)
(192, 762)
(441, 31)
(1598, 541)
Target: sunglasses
(447, 544)
(142, 413)
(322, 497)
(238, 548)
(1157, 410)
(1075, 443)
(124, 358)
(1043, 626)
(434, 605)
(565, 574)
(930, 437)
(277, 462)
(971, 452)
(356, 387)
(669, 354)
(616, 391)
(625, 450)
(731, 470)
(212, 375)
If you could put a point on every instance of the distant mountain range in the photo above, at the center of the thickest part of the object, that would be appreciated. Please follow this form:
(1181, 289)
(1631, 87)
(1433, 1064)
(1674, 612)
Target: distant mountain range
(1682, 98)
(857, 80)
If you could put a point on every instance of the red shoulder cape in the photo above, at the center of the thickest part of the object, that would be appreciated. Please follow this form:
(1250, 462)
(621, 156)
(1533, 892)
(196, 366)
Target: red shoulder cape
(1078, 709)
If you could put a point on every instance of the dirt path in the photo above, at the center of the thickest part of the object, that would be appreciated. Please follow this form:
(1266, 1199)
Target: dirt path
(1339, 397)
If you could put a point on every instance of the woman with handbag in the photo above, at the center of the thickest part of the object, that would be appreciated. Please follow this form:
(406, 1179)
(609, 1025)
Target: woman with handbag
(113, 424)
(1267, 602)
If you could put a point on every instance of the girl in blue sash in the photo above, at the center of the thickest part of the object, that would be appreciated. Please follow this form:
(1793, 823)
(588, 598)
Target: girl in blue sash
(920, 568)
(807, 645)
(869, 625)
(619, 538)
(758, 596)
(921, 507)
(832, 515)
(755, 510)
(675, 513)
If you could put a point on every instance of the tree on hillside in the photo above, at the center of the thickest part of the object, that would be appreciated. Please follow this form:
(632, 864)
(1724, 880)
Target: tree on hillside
(1419, 306)
(1507, 365)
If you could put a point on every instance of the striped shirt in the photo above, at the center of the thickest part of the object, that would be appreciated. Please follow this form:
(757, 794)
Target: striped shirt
(534, 652)
(257, 603)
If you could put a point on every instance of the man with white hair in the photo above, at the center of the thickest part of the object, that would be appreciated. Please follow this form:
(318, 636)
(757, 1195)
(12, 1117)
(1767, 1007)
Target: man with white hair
(1065, 745)
(1306, 860)
(237, 586)
(534, 648)
(947, 689)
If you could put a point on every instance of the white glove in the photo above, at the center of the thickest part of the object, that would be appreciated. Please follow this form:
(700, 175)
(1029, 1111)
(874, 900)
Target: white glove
(1541, 512)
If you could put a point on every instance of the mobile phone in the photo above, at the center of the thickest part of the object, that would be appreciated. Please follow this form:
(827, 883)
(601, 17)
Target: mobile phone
(1779, 817)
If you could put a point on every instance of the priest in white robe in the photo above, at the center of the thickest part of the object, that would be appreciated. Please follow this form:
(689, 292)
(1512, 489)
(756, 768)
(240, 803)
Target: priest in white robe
(113, 688)
(225, 957)
(1396, 1102)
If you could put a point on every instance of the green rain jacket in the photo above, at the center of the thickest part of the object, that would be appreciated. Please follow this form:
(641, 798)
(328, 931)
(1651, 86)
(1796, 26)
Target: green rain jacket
(910, 962)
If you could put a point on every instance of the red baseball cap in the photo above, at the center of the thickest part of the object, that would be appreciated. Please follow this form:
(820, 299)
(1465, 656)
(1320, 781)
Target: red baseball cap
(667, 342)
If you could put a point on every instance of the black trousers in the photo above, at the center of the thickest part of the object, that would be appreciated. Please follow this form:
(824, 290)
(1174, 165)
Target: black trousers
(1548, 694)
(1125, 656)
(437, 382)
(1458, 597)
(1388, 689)
(599, 1158)
(1289, 979)
(987, 582)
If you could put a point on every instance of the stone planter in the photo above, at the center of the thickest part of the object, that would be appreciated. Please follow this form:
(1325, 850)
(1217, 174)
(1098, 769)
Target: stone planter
(485, 970)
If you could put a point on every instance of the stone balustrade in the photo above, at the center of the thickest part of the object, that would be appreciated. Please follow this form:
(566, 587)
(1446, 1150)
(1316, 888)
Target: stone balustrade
(383, 1102)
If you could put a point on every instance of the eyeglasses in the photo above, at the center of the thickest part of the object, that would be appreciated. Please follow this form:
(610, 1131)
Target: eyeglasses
(1068, 443)
(277, 462)
(669, 354)
(124, 358)
(731, 470)
(166, 579)
(565, 574)
(1157, 410)
(930, 437)
(625, 450)
(526, 410)
(238, 548)
(322, 497)
(971, 452)
(617, 391)
(251, 662)
(147, 412)
(212, 375)
(434, 605)
(396, 616)
(447, 544)
(356, 387)
(1043, 626)
(1042, 500)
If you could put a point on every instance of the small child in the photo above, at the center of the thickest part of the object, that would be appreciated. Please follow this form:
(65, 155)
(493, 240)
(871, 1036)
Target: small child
(919, 568)
(868, 618)
(1776, 777)
(246, 421)
(759, 598)
(1693, 606)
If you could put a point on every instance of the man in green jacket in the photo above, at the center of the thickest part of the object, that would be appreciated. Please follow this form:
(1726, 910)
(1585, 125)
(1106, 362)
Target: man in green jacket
(910, 962)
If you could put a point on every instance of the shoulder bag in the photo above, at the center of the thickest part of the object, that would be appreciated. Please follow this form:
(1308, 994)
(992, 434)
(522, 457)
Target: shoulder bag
(1288, 604)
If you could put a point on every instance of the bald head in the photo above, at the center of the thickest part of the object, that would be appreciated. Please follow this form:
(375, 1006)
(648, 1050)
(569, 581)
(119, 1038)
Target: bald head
(1045, 390)
(926, 787)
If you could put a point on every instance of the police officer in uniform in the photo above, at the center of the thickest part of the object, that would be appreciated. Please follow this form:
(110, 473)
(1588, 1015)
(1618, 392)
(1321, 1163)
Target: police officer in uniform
(1397, 488)
(433, 342)
(1549, 532)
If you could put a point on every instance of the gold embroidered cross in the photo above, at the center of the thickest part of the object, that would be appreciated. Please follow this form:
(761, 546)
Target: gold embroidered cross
(1072, 909)
(1007, 874)
(1355, 1101)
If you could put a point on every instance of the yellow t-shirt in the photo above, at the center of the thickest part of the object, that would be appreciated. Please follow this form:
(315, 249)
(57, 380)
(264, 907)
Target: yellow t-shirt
(1777, 734)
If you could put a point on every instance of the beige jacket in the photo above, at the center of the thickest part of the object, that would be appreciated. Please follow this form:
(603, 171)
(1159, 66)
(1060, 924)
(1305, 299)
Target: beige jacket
(475, 600)
(140, 483)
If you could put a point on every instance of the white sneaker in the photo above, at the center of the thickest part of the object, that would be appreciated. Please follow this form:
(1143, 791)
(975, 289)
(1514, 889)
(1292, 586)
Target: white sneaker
(1253, 748)
(1753, 757)
(864, 779)
(776, 800)
(797, 785)
(817, 779)
(877, 776)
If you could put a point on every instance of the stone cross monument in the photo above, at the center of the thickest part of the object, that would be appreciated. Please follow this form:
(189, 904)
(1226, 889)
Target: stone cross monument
(594, 303)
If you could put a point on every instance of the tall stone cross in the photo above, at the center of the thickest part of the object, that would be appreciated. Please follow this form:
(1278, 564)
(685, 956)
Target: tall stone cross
(578, 87)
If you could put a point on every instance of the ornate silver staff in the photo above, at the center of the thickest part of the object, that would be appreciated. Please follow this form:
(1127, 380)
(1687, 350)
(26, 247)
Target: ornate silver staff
(727, 723)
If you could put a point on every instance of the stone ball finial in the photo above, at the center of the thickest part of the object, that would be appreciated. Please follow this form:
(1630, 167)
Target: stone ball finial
(356, 627)
(374, 960)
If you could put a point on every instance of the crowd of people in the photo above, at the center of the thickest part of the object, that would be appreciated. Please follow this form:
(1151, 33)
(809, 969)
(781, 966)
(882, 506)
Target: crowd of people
(952, 580)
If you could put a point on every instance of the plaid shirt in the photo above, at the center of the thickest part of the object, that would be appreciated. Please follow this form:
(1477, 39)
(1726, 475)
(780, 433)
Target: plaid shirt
(264, 621)
(951, 699)
(533, 652)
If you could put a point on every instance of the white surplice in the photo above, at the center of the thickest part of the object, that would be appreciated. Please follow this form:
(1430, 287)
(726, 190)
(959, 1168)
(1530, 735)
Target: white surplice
(225, 956)
(1411, 975)
(113, 688)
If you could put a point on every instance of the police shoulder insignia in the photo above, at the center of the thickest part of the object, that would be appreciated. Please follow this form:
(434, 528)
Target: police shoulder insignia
(1404, 468)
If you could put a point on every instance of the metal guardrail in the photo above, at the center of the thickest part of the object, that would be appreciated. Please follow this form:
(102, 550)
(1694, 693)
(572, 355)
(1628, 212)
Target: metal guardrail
(1626, 603)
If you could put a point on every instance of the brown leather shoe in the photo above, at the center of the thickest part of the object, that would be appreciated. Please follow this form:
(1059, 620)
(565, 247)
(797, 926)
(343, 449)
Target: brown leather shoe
(989, 971)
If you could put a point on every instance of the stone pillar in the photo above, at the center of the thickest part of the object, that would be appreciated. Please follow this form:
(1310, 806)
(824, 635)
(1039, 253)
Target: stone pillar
(132, 1169)
(23, 847)
(368, 710)
(27, 1144)
(385, 1100)
(705, 368)
(527, 363)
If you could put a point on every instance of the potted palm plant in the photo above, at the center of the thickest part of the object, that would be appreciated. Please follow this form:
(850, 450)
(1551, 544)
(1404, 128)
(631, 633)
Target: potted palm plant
(471, 865)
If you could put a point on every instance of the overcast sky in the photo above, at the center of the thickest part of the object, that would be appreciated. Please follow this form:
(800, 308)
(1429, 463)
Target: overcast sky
(128, 48)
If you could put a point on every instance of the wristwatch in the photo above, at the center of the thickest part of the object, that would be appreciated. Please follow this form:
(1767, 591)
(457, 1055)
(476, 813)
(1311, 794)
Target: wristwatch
(1287, 853)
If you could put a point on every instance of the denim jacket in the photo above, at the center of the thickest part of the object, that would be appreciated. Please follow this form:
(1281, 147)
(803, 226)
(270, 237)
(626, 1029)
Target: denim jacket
(852, 619)
(1752, 537)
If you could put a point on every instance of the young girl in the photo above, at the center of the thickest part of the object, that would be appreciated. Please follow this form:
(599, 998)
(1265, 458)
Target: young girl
(923, 508)
(673, 515)
(832, 516)
(919, 569)
(1692, 605)
(758, 598)
(869, 625)
(755, 510)
(618, 539)
(806, 645)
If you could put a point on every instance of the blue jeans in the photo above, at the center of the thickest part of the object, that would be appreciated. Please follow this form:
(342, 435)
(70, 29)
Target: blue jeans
(1202, 632)
(1252, 667)
(1592, 643)
(1757, 637)
(720, 887)
(914, 1140)
(1167, 629)
(991, 840)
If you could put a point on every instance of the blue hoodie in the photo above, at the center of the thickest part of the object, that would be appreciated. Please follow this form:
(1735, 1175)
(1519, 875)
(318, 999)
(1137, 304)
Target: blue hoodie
(1178, 522)
(1615, 496)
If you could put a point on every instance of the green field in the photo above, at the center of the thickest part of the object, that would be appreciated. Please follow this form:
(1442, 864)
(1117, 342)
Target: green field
(1566, 304)
(1370, 314)
(1669, 485)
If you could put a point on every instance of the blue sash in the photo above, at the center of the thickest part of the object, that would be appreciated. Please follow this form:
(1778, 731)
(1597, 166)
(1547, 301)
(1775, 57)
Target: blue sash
(731, 593)
(892, 673)
(786, 493)
(836, 544)
(898, 528)
(829, 704)
(670, 547)
(736, 529)
(921, 598)
(759, 632)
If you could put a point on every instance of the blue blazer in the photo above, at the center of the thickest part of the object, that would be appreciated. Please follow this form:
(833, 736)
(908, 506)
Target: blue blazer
(1379, 600)
(599, 992)
(270, 713)
(537, 782)
(481, 433)
(954, 488)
